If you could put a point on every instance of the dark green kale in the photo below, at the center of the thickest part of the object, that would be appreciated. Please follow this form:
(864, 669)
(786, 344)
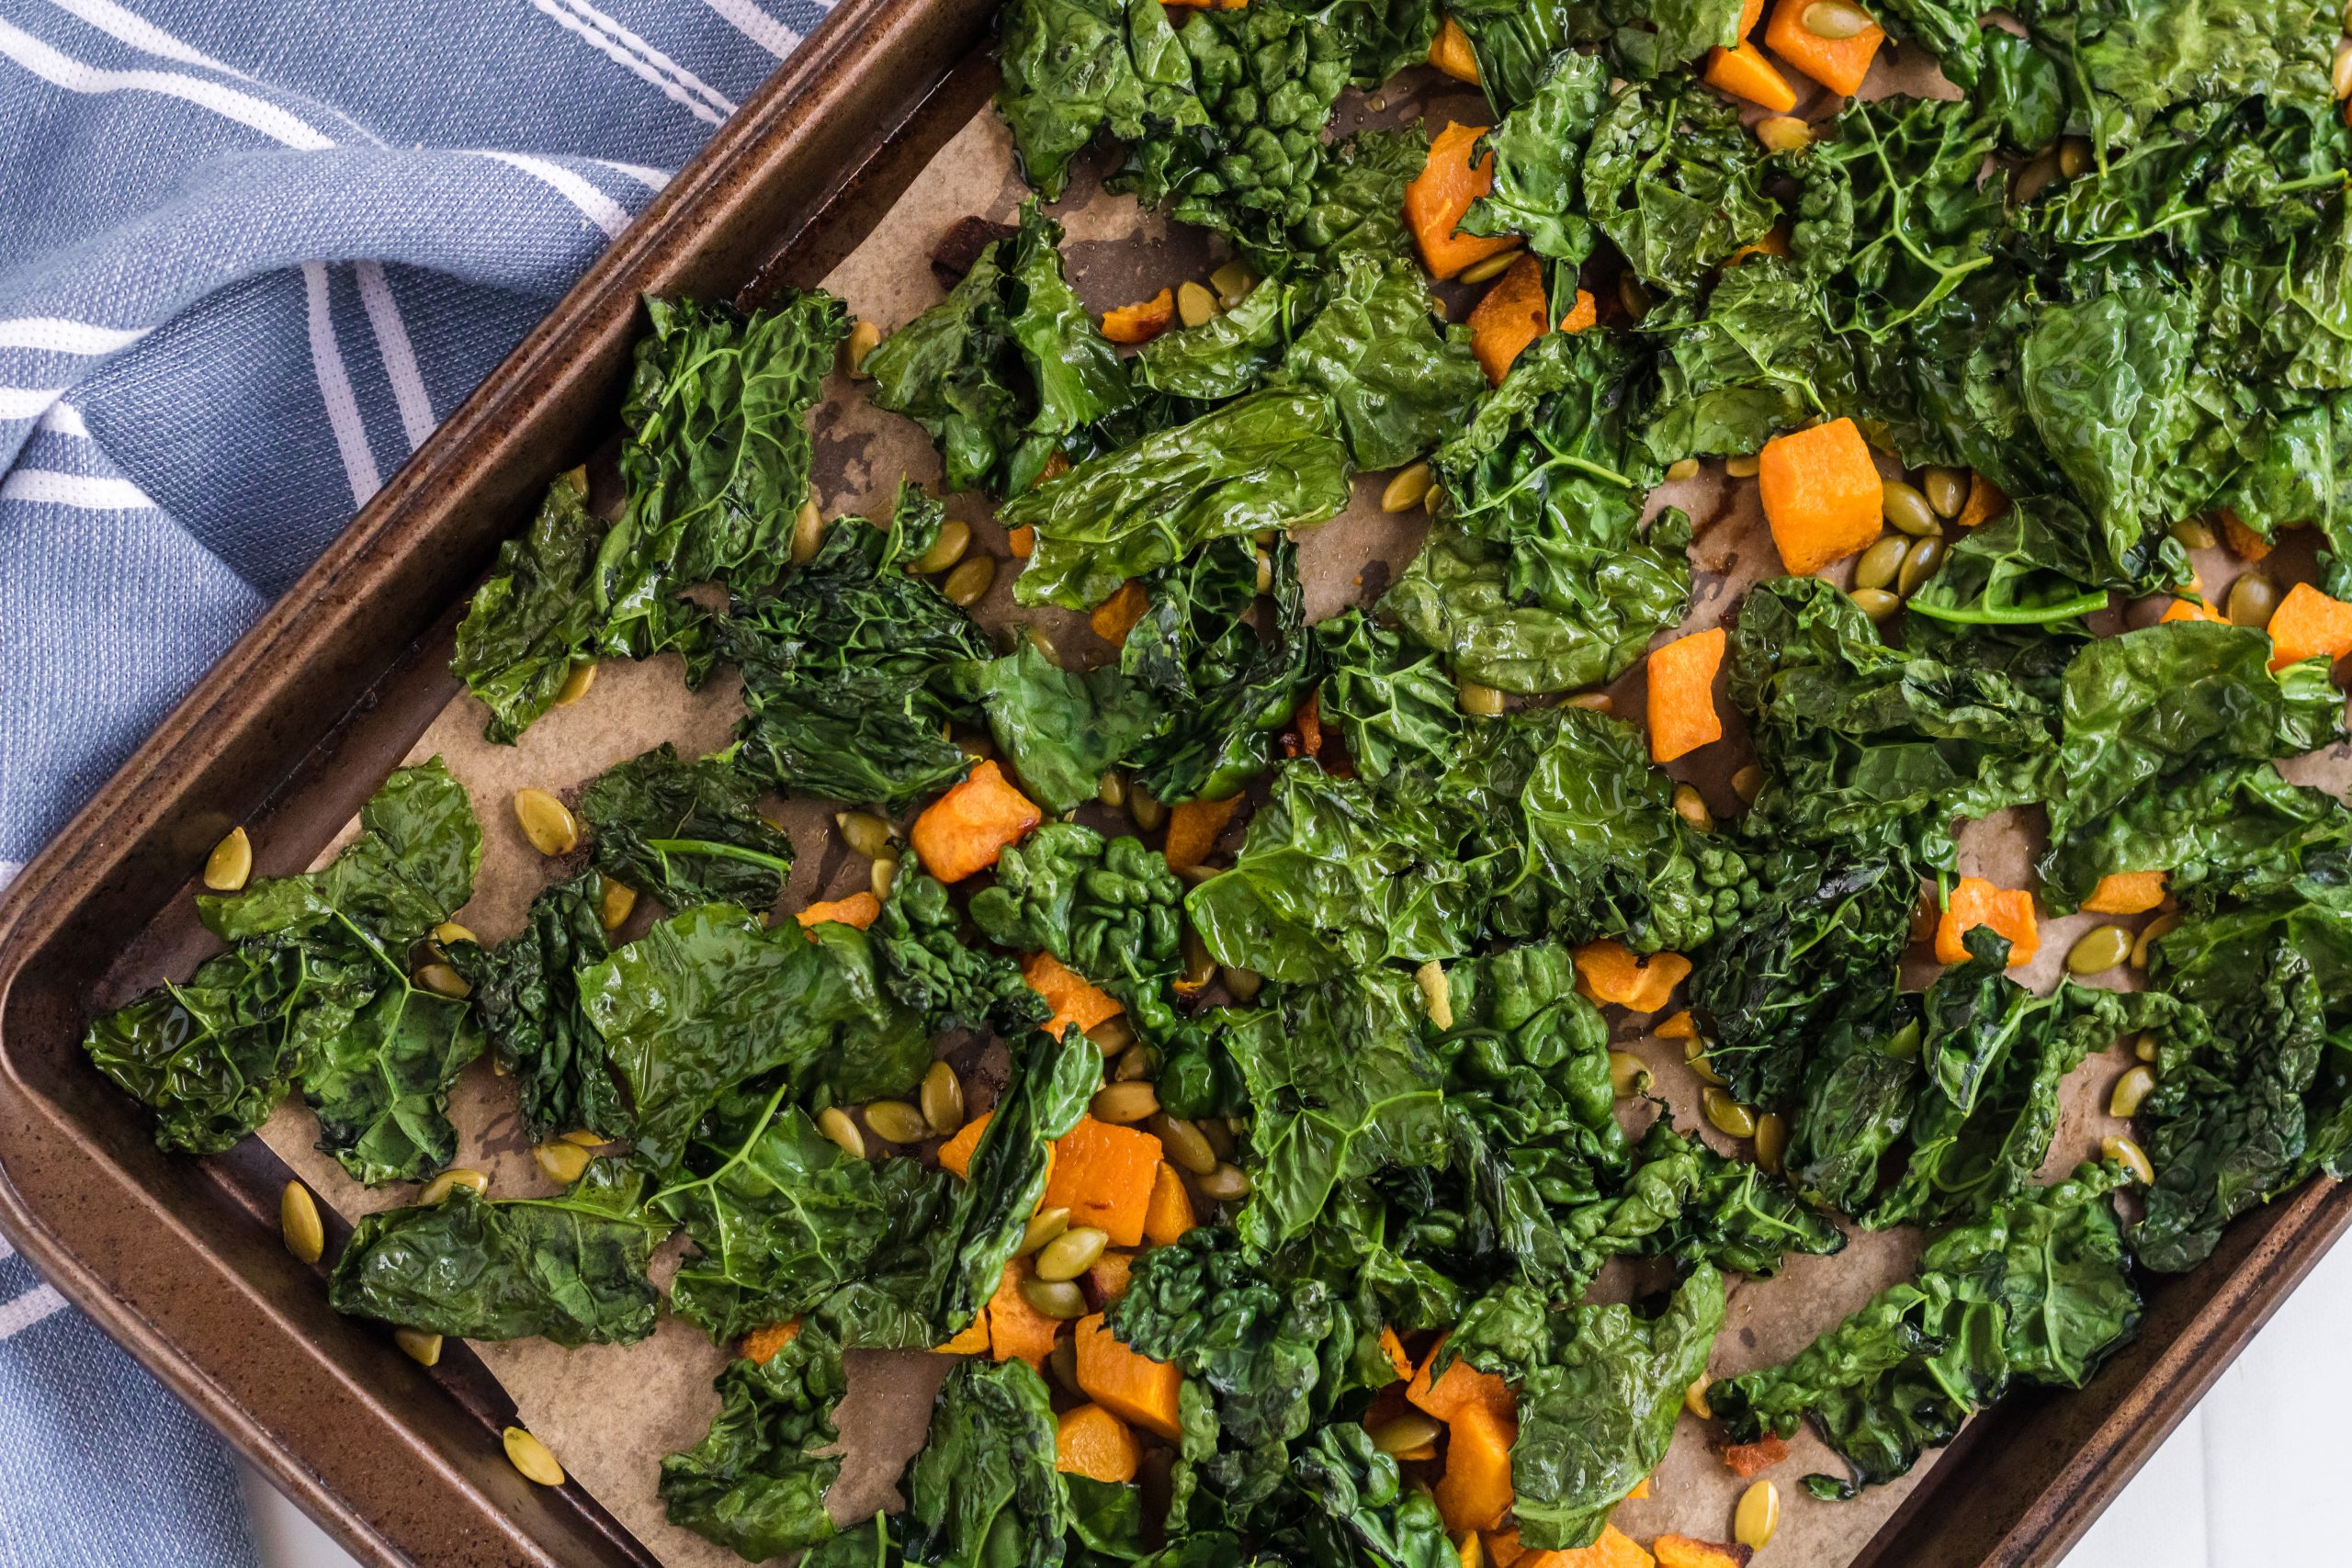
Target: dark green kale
(1727, 1213)
(1006, 370)
(1539, 152)
(1752, 360)
(1228, 354)
(1396, 710)
(1108, 908)
(527, 993)
(1671, 178)
(984, 1492)
(687, 832)
(1861, 1079)
(717, 457)
(564, 1269)
(2125, 65)
(1226, 680)
(1366, 1515)
(1599, 1390)
(1072, 67)
(1273, 459)
(1402, 380)
(315, 988)
(1059, 731)
(2236, 830)
(541, 614)
(849, 669)
(756, 1483)
(2039, 1291)
(1860, 739)
(927, 965)
(713, 998)
(1331, 879)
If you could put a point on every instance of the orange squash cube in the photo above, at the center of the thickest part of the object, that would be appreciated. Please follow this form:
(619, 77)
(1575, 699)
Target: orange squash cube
(1976, 902)
(1682, 712)
(1822, 494)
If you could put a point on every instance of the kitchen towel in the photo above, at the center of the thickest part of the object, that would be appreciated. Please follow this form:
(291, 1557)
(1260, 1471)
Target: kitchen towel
(250, 252)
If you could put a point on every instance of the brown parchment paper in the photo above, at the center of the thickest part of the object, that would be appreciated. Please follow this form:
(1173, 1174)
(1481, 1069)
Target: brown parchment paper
(609, 1412)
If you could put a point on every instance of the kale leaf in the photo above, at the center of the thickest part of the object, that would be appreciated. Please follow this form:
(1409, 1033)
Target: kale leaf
(756, 1483)
(687, 832)
(1072, 67)
(527, 993)
(1108, 908)
(1401, 380)
(927, 965)
(1060, 729)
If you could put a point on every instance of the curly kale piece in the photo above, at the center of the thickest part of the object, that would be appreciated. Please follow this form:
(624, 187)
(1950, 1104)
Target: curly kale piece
(1673, 180)
(1108, 908)
(849, 669)
(1074, 67)
(1396, 710)
(756, 1483)
(927, 965)
(528, 993)
(687, 832)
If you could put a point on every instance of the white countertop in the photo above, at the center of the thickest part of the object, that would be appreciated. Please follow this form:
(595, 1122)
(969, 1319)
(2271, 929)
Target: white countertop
(2250, 1479)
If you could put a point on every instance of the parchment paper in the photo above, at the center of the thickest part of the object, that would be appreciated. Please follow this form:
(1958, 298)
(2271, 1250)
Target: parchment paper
(610, 1413)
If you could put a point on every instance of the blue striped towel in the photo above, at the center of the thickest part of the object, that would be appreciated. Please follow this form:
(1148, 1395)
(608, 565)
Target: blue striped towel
(250, 252)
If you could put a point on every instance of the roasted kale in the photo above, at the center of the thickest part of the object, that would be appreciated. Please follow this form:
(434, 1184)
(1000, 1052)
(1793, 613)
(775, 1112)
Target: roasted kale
(526, 991)
(687, 832)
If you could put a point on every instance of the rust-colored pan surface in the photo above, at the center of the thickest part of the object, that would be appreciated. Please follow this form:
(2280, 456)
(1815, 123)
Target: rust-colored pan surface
(177, 1257)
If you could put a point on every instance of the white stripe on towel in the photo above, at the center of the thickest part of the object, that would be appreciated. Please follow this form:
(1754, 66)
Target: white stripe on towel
(77, 76)
(599, 209)
(48, 486)
(334, 389)
(397, 353)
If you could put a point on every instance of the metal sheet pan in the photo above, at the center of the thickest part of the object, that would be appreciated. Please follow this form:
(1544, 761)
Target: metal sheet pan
(176, 1257)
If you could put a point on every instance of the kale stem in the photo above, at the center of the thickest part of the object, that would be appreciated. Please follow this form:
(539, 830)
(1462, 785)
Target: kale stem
(2015, 615)
(717, 850)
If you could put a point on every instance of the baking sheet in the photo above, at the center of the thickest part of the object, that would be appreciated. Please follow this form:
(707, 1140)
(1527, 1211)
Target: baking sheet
(609, 1412)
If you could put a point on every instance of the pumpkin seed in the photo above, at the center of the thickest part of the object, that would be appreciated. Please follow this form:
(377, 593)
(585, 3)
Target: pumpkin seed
(1694, 1398)
(1242, 982)
(1134, 1063)
(1072, 1253)
(2144, 946)
(1629, 1076)
(1682, 468)
(1112, 1035)
(2074, 157)
(1757, 1516)
(561, 1163)
(1220, 1135)
(2130, 1089)
(2130, 1156)
(895, 1122)
(2034, 178)
(2194, 534)
(1906, 509)
(1486, 268)
(1691, 807)
(546, 822)
(1783, 133)
(1729, 1116)
(1195, 306)
(530, 1456)
(1483, 701)
(1403, 1434)
(1591, 701)
(864, 337)
(886, 872)
(834, 1123)
(1063, 1360)
(450, 1181)
(1059, 1299)
(418, 1346)
(808, 532)
(1772, 1142)
(1694, 1056)
(1834, 19)
(2254, 599)
(864, 832)
(299, 1223)
(1408, 488)
(1233, 282)
(230, 863)
(1748, 782)
(449, 933)
(2340, 75)
(1144, 810)
(615, 904)
(1437, 993)
(1631, 295)
(443, 981)
(1946, 489)
(2097, 949)
(1882, 561)
(2145, 1047)
(1743, 467)
(1921, 564)
(1226, 1184)
(1200, 965)
(943, 1099)
(1126, 1102)
(1184, 1143)
(954, 538)
(1043, 1226)
(1265, 572)
(575, 685)
(586, 1139)
(1111, 788)
(1876, 604)
(969, 582)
